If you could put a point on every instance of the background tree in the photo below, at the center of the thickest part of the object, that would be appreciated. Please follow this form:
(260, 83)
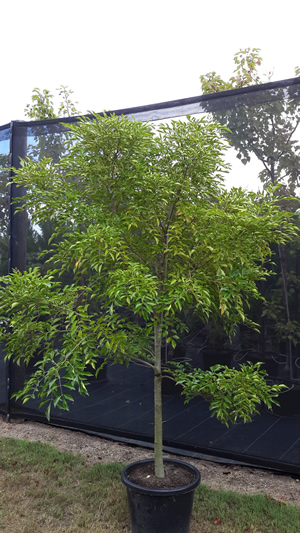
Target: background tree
(42, 106)
(145, 220)
(267, 131)
(48, 142)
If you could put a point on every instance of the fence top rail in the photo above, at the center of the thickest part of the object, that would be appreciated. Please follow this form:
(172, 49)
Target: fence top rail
(174, 108)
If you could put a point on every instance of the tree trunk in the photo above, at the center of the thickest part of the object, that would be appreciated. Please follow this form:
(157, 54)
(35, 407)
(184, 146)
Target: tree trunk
(283, 268)
(158, 433)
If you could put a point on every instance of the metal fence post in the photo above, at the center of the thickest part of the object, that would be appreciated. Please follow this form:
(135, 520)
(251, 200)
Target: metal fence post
(17, 242)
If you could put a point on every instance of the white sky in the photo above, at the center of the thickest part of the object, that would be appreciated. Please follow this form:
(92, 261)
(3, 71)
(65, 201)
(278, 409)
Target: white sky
(124, 53)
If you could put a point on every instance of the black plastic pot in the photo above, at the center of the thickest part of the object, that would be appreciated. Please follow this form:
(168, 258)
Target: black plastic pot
(270, 360)
(215, 357)
(289, 404)
(160, 510)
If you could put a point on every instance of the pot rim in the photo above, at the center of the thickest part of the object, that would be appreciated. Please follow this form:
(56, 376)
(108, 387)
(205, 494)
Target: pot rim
(161, 492)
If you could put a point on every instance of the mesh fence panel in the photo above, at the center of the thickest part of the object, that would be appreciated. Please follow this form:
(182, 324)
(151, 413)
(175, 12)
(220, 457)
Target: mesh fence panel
(263, 129)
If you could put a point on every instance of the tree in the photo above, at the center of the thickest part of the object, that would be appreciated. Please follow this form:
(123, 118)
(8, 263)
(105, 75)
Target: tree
(145, 221)
(47, 143)
(42, 104)
(267, 130)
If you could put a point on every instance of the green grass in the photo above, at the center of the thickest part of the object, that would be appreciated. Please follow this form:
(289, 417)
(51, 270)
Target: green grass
(43, 490)
(239, 513)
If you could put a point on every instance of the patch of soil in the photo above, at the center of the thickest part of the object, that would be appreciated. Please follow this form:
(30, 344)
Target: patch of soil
(95, 450)
(175, 476)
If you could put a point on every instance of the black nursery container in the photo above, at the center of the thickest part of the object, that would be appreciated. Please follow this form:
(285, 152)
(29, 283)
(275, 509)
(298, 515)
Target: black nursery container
(160, 510)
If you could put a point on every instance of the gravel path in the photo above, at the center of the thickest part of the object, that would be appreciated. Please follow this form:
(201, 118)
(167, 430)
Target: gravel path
(217, 476)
